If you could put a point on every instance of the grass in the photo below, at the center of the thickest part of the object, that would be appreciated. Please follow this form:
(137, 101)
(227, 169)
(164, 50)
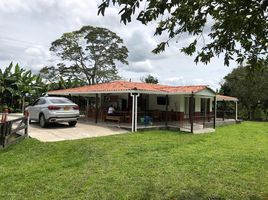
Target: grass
(230, 164)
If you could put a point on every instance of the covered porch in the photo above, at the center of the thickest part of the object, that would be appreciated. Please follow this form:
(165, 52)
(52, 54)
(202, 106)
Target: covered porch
(141, 106)
(227, 110)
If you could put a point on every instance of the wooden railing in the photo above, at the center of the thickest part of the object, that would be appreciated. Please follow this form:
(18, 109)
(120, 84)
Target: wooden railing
(12, 130)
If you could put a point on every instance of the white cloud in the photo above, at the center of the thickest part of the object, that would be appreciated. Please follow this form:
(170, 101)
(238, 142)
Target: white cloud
(33, 51)
(13, 6)
(196, 81)
(142, 66)
(174, 80)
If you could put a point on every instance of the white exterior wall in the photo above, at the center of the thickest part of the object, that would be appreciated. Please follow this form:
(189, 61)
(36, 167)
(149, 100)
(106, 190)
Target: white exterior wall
(176, 103)
(153, 103)
(197, 103)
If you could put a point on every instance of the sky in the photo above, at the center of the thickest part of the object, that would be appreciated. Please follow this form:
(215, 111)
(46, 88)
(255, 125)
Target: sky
(28, 27)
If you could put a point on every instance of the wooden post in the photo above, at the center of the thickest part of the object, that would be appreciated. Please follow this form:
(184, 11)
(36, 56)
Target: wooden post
(97, 108)
(6, 132)
(215, 112)
(2, 134)
(166, 124)
(26, 122)
(191, 112)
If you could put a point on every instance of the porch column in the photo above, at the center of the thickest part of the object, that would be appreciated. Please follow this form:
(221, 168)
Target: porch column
(166, 124)
(191, 112)
(224, 107)
(215, 112)
(235, 110)
(97, 108)
(134, 111)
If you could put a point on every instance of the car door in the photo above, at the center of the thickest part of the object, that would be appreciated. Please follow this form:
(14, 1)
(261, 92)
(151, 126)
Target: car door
(33, 110)
(40, 105)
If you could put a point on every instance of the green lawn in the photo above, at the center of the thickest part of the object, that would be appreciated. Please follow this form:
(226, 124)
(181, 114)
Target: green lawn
(229, 164)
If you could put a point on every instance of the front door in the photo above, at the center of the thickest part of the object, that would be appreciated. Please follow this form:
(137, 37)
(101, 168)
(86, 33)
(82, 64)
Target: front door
(187, 107)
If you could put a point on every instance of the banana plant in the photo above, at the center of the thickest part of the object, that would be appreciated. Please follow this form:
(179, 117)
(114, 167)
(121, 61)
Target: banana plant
(7, 85)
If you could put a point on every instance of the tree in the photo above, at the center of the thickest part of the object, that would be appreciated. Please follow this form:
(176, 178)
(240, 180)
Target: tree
(251, 88)
(150, 79)
(89, 54)
(56, 78)
(7, 85)
(238, 29)
(16, 84)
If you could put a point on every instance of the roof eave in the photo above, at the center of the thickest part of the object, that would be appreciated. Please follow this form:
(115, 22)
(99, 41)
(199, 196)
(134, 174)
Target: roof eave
(109, 92)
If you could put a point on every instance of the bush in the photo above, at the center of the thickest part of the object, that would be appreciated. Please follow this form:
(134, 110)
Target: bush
(259, 114)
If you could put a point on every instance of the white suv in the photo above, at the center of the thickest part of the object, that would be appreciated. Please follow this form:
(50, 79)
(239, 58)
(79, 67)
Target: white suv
(47, 110)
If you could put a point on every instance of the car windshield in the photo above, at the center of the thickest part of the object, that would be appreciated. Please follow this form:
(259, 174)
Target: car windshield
(60, 101)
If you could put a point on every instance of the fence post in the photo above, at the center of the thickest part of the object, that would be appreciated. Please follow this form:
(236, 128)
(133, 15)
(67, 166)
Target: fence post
(26, 122)
(6, 132)
(2, 134)
(27, 126)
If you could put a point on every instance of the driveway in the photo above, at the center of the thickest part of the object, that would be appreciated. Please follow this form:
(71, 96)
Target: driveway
(60, 132)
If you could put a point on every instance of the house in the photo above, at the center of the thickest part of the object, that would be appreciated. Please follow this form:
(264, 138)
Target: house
(142, 105)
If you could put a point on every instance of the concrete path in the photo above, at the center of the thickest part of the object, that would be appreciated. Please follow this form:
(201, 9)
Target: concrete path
(60, 132)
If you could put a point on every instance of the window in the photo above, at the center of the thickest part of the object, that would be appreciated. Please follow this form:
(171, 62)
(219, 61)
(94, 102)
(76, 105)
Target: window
(36, 102)
(60, 101)
(41, 102)
(162, 101)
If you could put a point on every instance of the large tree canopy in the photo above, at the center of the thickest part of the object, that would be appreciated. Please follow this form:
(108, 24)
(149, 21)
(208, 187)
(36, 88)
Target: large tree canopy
(238, 29)
(89, 54)
(252, 91)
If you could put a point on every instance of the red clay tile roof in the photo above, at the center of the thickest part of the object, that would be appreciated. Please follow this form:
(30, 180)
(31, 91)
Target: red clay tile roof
(130, 86)
(225, 98)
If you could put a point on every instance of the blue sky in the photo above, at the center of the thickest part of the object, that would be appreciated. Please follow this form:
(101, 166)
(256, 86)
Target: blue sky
(29, 26)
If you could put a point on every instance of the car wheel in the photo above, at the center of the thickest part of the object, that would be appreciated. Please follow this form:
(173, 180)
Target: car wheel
(72, 123)
(42, 121)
